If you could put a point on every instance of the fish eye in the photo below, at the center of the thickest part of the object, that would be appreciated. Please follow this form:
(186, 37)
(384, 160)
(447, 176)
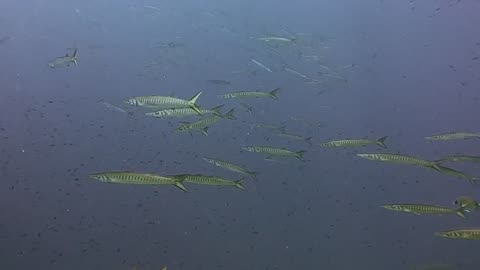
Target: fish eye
(455, 202)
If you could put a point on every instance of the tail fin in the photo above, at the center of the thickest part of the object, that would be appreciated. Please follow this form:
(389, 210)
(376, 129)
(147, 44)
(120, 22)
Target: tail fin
(299, 155)
(192, 102)
(253, 174)
(309, 140)
(74, 56)
(238, 184)
(216, 110)
(180, 185)
(381, 142)
(205, 131)
(474, 180)
(230, 115)
(273, 93)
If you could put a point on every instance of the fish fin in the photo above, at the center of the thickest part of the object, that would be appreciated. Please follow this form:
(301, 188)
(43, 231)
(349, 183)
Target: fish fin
(194, 99)
(205, 131)
(230, 115)
(474, 180)
(181, 186)
(381, 142)
(273, 93)
(309, 140)
(75, 53)
(195, 108)
(239, 185)
(436, 167)
(253, 174)
(216, 110)
(299, 155)
(461, 212)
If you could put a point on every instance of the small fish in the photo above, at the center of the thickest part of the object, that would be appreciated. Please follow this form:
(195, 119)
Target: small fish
(401, 159)
(165, 102)
(453, 136)
(278, 39)
(424, 209)
(464, 233)
(113, 107)
(183, 112)
(210, 180)
(459, 159)
(466, 203)
(230, 166)
(252, 94)
(355, 143)
(219, 82)
(272, 151)
(138, 179)
(294, 136)
(202, 125)
(64, 61)
(258, 63)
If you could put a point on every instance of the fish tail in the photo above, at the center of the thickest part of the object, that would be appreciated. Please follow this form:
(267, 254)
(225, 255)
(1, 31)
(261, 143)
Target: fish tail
(230, 115)
(238, 184)
(273, 93)
(74, 56)
(299, 155)
(381, 142)
(205, 131)
(193, 100)
(309, 140)
(253, 174)
(180, 185)
(216, 110)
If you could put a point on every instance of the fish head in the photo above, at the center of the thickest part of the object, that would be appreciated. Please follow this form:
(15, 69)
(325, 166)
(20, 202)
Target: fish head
(131, 101)
(392, 207)
(99, 177)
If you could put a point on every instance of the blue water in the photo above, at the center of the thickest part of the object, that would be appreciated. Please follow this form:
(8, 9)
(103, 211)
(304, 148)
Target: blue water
(415, 73)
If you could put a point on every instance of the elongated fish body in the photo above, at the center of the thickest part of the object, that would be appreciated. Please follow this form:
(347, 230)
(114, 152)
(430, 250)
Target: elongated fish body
(165, 102)
(464, 233)
(260, 64)
(271, 151)
(278, 39)
(295, 137)
(211, 180)
(355, 143)
(271, 127)
(229, 166)
(457, 174)
(459, 159)
(138, 179)
(424, 209)
(401, 159)
(64, 61)
(203, 124)
(252, 94)
(453, 136)
(184, 112)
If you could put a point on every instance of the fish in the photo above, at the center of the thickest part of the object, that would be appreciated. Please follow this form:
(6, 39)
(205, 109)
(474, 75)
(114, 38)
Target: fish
(464, 233)
(165, 102)
(138, 179)
(303, 76)
(401, 159)
(230, 166)
(64, 61)
(459, 158)
(203, 124)
(252, 94)
(355, 143)
(270, 127)
(113, 107)
(272, 151)
(453, 136)
(466, 203)
(258, 63)
(458, 174)
(210, 180)
(278, 39)
(294, 136)
(220, 82)
(183, 112)
(424, 209)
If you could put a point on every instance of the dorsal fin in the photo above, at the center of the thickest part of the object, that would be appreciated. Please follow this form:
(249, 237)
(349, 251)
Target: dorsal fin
(66, 55)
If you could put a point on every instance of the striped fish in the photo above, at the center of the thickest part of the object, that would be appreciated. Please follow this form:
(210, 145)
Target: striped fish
(271, 151)
(252, 94)
(355, 143)
(138, 179)
(210, 180)
(230, 166)
(424, 209)
(401, 159)
(202, 125)
(183, 112)
(165, 102)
